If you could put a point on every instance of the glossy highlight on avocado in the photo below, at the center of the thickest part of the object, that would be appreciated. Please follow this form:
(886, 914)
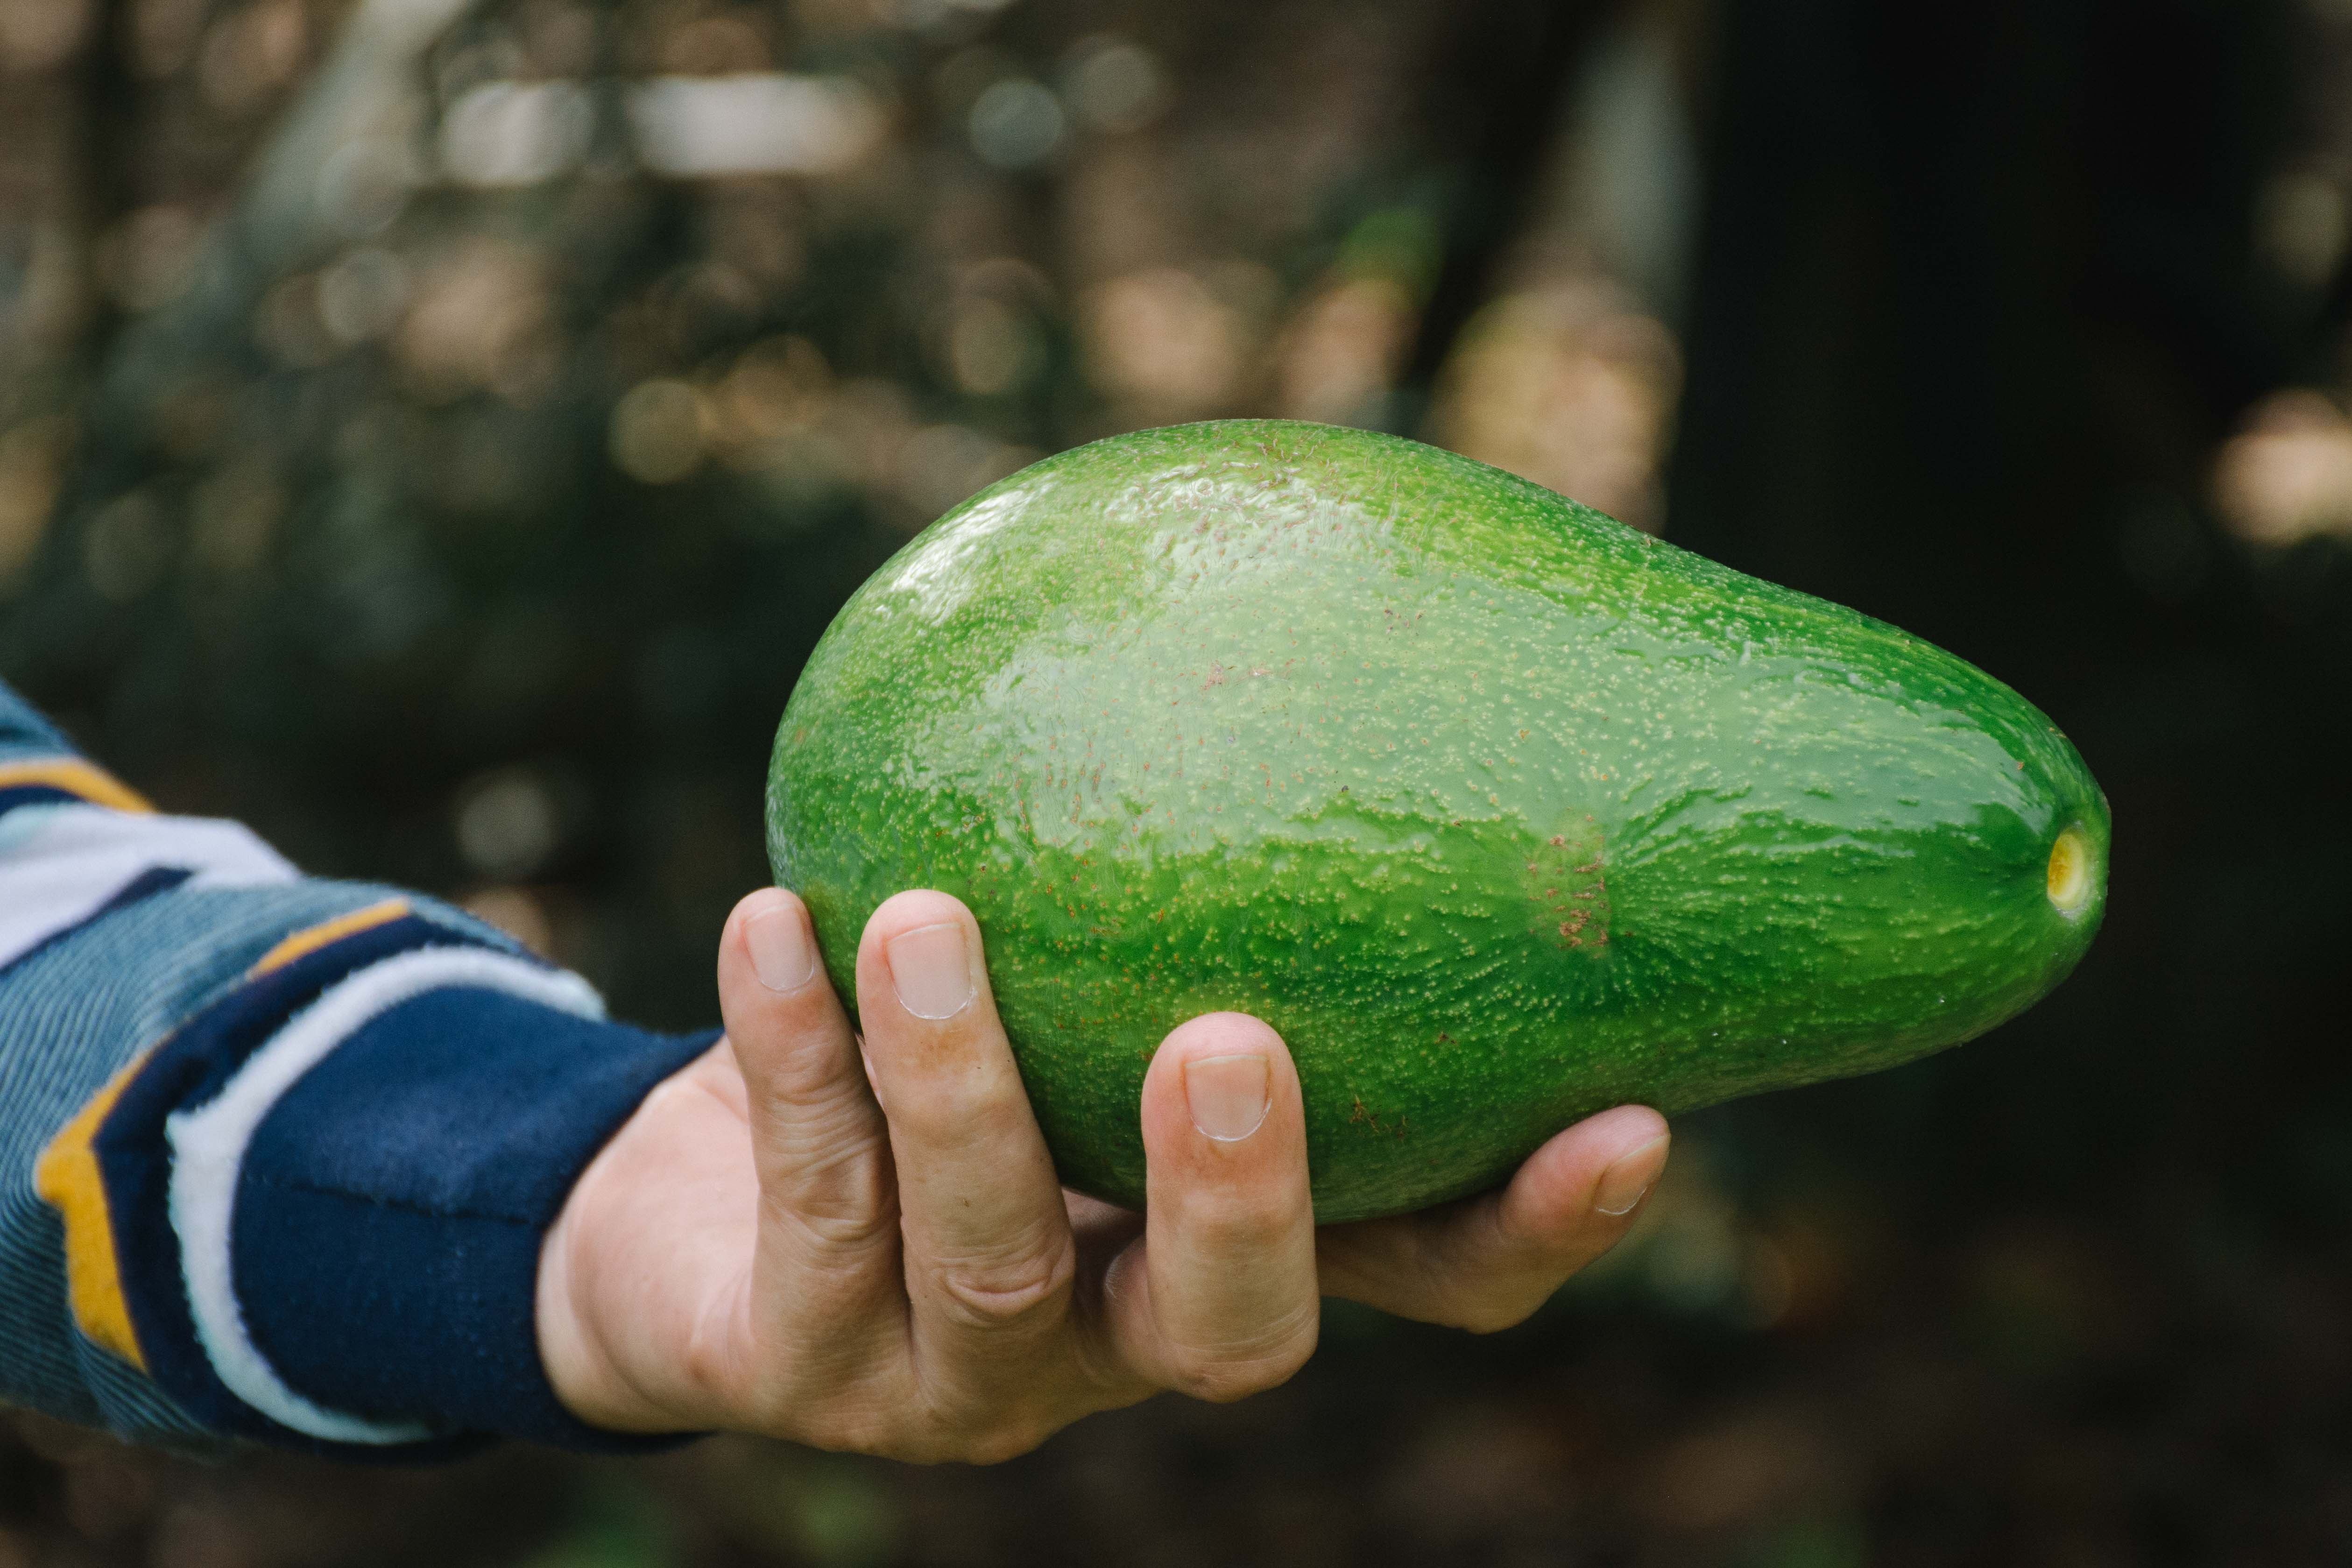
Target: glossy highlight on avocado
(1500, 812)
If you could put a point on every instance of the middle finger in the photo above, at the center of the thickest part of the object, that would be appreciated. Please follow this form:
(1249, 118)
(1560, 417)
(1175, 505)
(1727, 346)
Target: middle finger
(989, 1257)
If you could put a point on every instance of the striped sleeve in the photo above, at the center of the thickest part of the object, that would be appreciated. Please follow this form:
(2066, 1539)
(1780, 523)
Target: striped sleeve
(277, 1153)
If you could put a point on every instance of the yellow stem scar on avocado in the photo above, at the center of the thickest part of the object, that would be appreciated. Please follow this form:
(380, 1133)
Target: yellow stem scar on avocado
(2071, 879)
(1501, 812)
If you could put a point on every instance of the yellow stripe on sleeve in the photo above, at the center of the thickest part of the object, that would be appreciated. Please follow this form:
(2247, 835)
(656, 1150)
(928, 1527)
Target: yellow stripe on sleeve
(67, 1177)
(75, 777)
(303, 943)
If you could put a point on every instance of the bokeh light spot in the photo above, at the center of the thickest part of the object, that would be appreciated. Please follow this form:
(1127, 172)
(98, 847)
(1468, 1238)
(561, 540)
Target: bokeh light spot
(1115, 85)
(657, 432)
(1016, 123)
(506, 823)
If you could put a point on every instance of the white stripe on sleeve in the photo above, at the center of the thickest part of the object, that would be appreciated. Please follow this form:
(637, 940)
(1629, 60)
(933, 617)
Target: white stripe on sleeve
(208, 1145)
(61, 864)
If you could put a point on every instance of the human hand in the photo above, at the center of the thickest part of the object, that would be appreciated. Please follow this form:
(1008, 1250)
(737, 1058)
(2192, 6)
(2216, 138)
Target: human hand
(879, 1258)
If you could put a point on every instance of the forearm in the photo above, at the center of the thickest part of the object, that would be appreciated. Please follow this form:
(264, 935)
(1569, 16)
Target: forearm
(275, 1153)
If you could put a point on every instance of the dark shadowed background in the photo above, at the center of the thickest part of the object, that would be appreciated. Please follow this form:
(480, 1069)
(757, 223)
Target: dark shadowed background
(435, 432)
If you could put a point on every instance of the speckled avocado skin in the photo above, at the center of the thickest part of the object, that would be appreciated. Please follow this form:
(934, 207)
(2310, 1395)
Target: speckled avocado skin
(1501, 812)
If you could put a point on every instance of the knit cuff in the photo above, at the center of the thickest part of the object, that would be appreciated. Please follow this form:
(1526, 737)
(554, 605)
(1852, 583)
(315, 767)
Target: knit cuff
(325, 1195)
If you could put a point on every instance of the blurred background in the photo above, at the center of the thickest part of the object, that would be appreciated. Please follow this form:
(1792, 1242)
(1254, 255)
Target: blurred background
(435, 431)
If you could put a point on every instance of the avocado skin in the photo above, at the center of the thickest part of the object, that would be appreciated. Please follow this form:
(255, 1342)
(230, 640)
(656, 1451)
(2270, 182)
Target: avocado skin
(1500, 812)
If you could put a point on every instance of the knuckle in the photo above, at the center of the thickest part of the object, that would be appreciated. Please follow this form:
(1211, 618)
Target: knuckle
(842, 1204)
(843, 1198)
(843, 1228)
(818, 1098)
(1009, 1292)
(1244, 1222)
(944, 1104)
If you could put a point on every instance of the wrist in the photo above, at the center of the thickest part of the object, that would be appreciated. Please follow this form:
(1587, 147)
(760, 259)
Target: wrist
(581, 1374)
(584, 1339)
(646, 1256)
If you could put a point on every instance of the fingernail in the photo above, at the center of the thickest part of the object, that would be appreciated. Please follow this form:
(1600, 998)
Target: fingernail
(1229, 1094)
(930, 968)
(784, 955)
(1628, 1179)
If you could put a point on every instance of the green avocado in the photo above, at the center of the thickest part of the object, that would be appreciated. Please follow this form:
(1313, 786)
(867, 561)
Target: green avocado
(1500, 812)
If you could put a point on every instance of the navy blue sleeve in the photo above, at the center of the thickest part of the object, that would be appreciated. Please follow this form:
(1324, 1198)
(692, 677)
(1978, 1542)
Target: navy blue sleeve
(405, 1185)
(276, 1154)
